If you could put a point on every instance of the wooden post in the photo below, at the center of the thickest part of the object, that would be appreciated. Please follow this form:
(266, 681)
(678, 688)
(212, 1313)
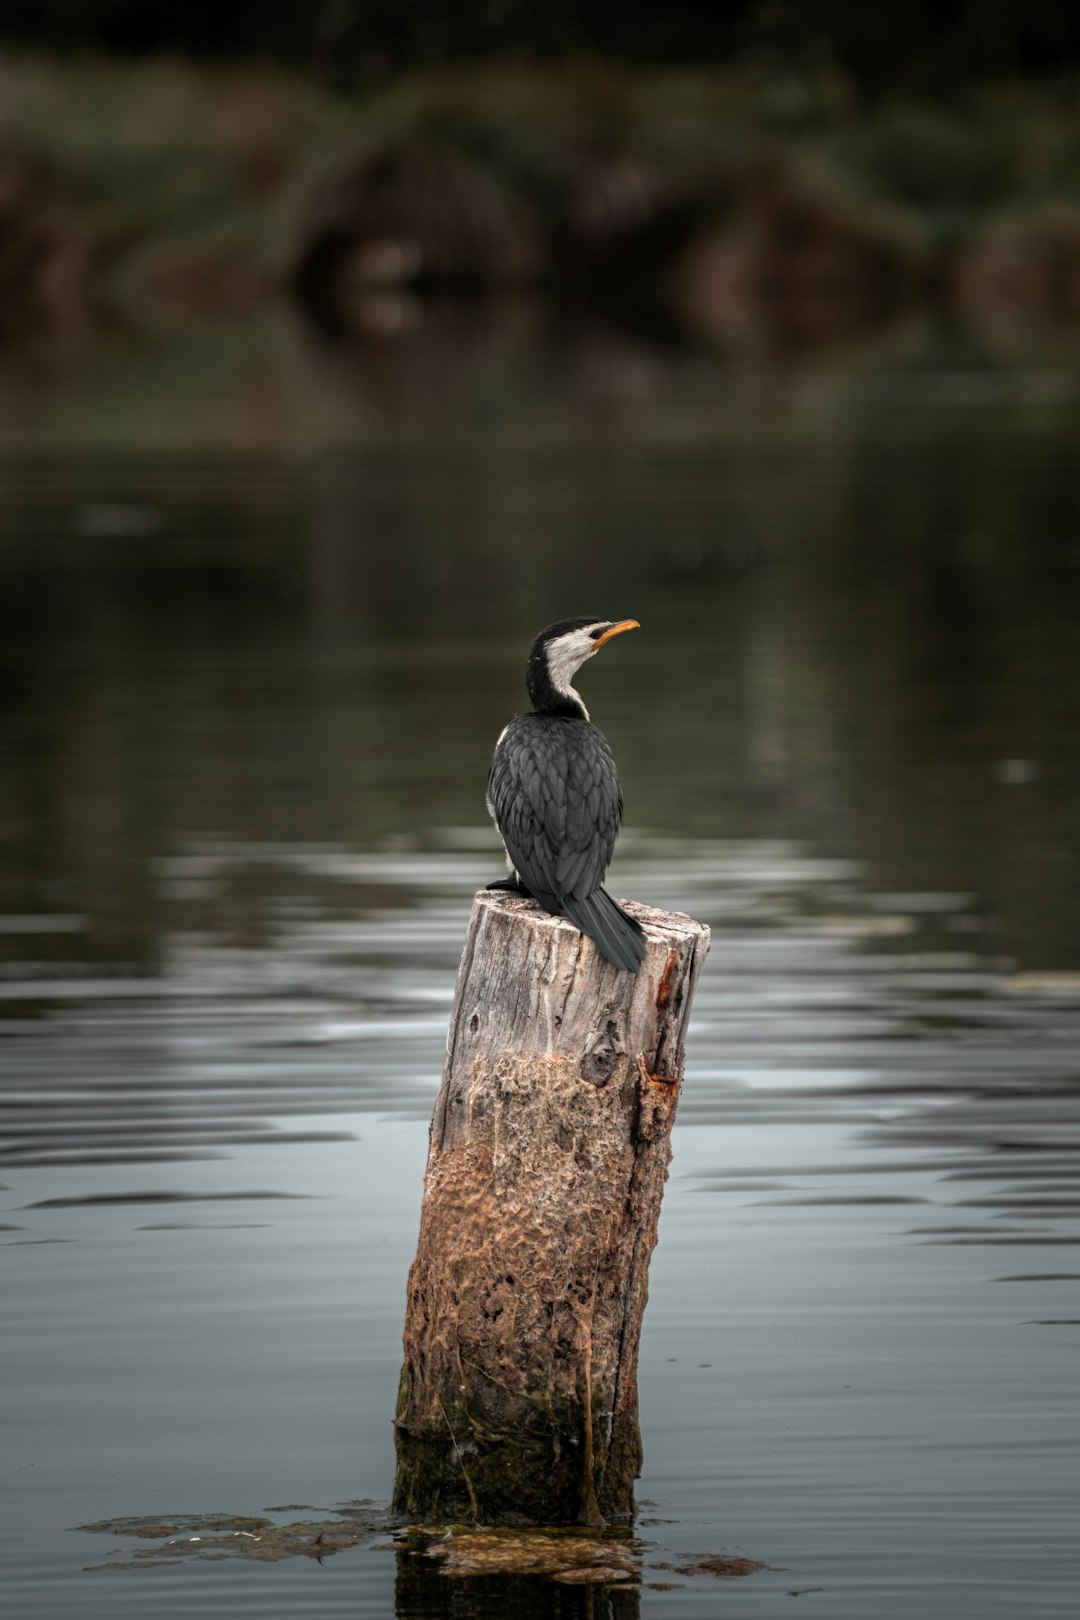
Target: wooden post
(548, 1157)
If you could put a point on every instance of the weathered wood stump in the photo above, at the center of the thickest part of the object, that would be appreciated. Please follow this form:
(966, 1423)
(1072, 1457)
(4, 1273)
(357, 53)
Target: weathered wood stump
(548, 1157)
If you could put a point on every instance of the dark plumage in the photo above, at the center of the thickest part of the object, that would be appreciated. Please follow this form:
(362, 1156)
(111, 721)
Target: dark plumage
(554, 794)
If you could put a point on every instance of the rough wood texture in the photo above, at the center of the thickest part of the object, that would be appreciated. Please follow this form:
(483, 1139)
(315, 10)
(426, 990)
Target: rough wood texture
(549, 1153)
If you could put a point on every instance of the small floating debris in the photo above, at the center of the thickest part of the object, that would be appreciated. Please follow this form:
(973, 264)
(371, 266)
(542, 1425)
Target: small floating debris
(725, 1569)
(568, 1556)
(224, 1535)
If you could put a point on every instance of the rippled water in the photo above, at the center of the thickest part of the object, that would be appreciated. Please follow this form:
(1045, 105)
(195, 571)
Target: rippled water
(247, 707)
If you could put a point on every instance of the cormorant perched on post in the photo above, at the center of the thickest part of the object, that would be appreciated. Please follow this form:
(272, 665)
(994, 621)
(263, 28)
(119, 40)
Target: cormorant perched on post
(554, 795)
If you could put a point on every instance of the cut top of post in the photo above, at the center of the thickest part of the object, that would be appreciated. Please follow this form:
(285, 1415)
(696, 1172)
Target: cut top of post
(533, 985)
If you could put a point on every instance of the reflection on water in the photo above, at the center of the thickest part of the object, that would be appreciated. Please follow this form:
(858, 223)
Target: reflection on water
(247, 708)
(419, 1596)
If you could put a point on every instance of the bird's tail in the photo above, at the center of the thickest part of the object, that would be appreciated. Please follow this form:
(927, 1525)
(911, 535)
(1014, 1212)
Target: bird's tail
(619, 938)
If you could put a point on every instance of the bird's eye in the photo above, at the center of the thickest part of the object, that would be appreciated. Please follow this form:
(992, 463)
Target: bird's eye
(594, 635)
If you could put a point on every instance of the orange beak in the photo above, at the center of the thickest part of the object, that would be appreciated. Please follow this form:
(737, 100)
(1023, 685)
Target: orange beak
(616, 630)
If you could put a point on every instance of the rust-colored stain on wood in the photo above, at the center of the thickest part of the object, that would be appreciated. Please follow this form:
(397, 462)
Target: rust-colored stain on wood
(667, 1083)
(666, 987)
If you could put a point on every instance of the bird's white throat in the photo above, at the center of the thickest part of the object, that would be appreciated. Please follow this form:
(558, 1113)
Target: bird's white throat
(565, 657)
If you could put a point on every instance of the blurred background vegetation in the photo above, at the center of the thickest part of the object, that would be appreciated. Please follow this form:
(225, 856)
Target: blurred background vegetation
(807, 171)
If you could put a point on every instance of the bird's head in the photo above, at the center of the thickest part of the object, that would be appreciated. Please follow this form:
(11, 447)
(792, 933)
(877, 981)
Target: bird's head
(559, 652)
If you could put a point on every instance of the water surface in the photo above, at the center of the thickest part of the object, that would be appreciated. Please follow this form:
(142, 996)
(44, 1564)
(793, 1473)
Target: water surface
(248, 698)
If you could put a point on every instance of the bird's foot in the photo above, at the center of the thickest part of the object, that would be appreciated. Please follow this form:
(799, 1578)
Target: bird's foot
(510, 885)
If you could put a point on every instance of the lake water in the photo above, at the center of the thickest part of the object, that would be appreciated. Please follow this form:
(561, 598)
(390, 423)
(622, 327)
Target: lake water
(258, 632)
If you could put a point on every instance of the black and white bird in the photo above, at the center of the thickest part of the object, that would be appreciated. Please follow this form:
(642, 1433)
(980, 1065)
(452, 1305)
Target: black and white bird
(553, 793)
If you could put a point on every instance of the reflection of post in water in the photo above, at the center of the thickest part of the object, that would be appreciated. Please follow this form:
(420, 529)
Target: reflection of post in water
(423, 1592)
(549, 1153)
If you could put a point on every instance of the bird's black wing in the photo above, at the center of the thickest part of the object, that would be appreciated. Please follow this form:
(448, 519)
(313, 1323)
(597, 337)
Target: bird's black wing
(554, 794)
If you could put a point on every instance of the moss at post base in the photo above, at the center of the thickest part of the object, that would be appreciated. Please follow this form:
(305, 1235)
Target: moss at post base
(512, 1463)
